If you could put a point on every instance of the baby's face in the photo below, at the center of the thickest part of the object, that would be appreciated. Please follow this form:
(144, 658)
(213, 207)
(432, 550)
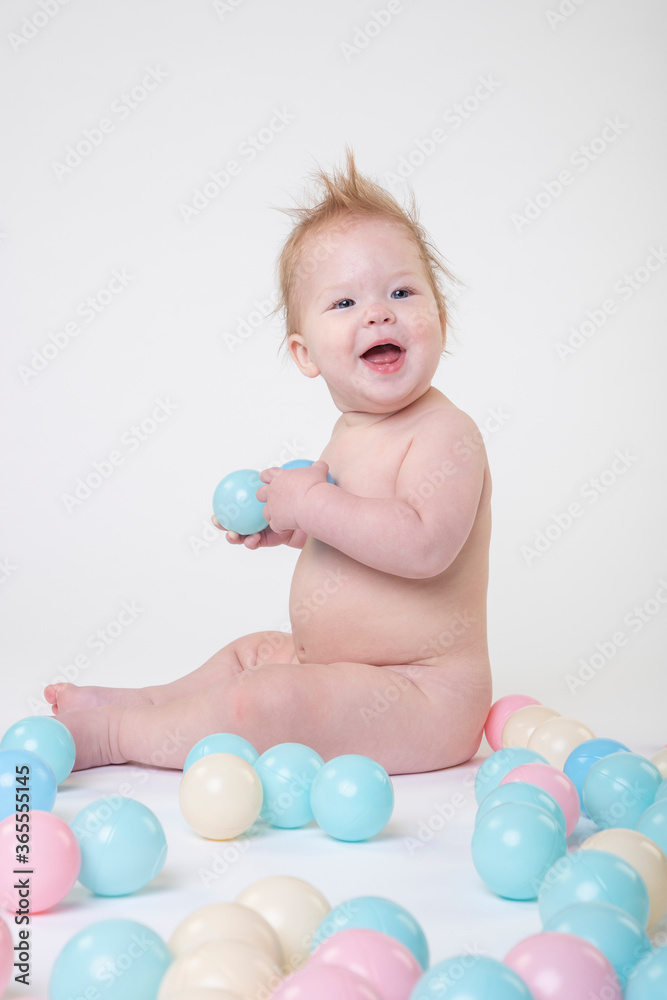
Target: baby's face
(360, 284)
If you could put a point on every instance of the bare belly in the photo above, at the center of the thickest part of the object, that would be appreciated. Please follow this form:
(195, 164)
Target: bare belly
(342, 610)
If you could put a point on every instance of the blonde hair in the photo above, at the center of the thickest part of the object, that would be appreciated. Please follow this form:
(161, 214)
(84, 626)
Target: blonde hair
(347, 197)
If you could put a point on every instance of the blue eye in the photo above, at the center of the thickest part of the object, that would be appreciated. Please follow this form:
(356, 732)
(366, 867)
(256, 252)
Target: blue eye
(334, 305)
(408, 291)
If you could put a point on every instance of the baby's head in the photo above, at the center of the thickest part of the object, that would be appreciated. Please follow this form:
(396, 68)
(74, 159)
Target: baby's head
(348, 198)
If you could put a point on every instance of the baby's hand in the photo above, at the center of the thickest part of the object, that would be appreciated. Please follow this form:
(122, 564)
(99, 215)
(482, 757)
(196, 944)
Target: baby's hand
(263, 539)
(285, 491)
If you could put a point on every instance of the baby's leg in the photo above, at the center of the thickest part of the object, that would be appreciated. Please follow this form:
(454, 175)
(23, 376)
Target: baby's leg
(409, 718)
(241, 654)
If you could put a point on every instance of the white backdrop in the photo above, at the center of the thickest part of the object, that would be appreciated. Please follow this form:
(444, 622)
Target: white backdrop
(139, 264)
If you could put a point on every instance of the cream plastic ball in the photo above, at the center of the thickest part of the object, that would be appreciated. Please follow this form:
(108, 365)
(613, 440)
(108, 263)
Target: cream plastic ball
(294, 908)
(228, 922)
(234, 966)
(643, 854)
(201, 993)
(518, 728)
(220, 796)
(556, 738)
(660, 761)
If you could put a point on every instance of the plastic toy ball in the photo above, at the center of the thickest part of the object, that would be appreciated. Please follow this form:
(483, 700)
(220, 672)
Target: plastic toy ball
(466, 976)
(514, 846)
(660, 761)
(593, 877)
(230, 921)
(653, 824)
(557, 966)
(325, 982)
(521, 724)
(235, 966)
(24, 772)
(619, 788)
(123, 846)
(352, 797)
(54, 860)
(613, 931)
(557, 737)
(644, 855)
(521, 791)
(235, 503)
(46, 737)
(648, 979)
(6, 956)
(386, 963)
(582, 758)
(294, 909)
(220, 796)
(500, 713)
(553, 781)
(124, 959)
(287, 772)
(203, 993)
(221, 743)
(662, 791)
(379, 914)
(500, 763)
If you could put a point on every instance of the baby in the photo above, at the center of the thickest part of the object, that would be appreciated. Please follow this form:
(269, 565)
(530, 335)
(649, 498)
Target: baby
(388, 652)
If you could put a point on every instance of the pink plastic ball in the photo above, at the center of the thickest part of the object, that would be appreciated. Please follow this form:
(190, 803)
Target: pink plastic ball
(500, 713)
(558, 966)
(6, 956)
(54, 859)
(556, 783)
(381, 959)
(326, 982)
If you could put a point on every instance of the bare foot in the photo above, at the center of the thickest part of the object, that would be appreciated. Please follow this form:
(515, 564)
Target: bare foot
(72, 698)
(95, 732)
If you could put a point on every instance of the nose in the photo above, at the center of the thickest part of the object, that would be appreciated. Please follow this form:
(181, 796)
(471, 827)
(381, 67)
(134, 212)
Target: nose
(379, 313)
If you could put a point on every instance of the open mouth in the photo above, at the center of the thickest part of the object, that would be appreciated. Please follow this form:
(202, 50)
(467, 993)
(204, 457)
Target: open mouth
(385, 358)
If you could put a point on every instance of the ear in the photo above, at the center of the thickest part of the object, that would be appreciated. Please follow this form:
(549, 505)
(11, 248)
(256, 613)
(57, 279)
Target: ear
(301, 357)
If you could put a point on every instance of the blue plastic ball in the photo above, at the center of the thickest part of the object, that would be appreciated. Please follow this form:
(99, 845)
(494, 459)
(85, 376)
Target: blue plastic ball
(287, 772)
(494, 768)
(378, 914)
(522, 791)
(21, 770)
(352, 797)
(610, 929)
(619, 788)
(114, 959)
(235, 503)
(662, 790)
(594, 877)
(302, 463)
(471, 977)
(513, 847)
(648, 980)
(582, 758)
(653, 824)
(123, 846)
(221, 743)
(46, 737)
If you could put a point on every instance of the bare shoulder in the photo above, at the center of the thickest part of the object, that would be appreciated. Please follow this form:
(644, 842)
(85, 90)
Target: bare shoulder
(444, 420)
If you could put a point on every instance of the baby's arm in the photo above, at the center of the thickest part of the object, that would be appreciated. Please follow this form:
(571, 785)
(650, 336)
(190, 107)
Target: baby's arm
(419, 532)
